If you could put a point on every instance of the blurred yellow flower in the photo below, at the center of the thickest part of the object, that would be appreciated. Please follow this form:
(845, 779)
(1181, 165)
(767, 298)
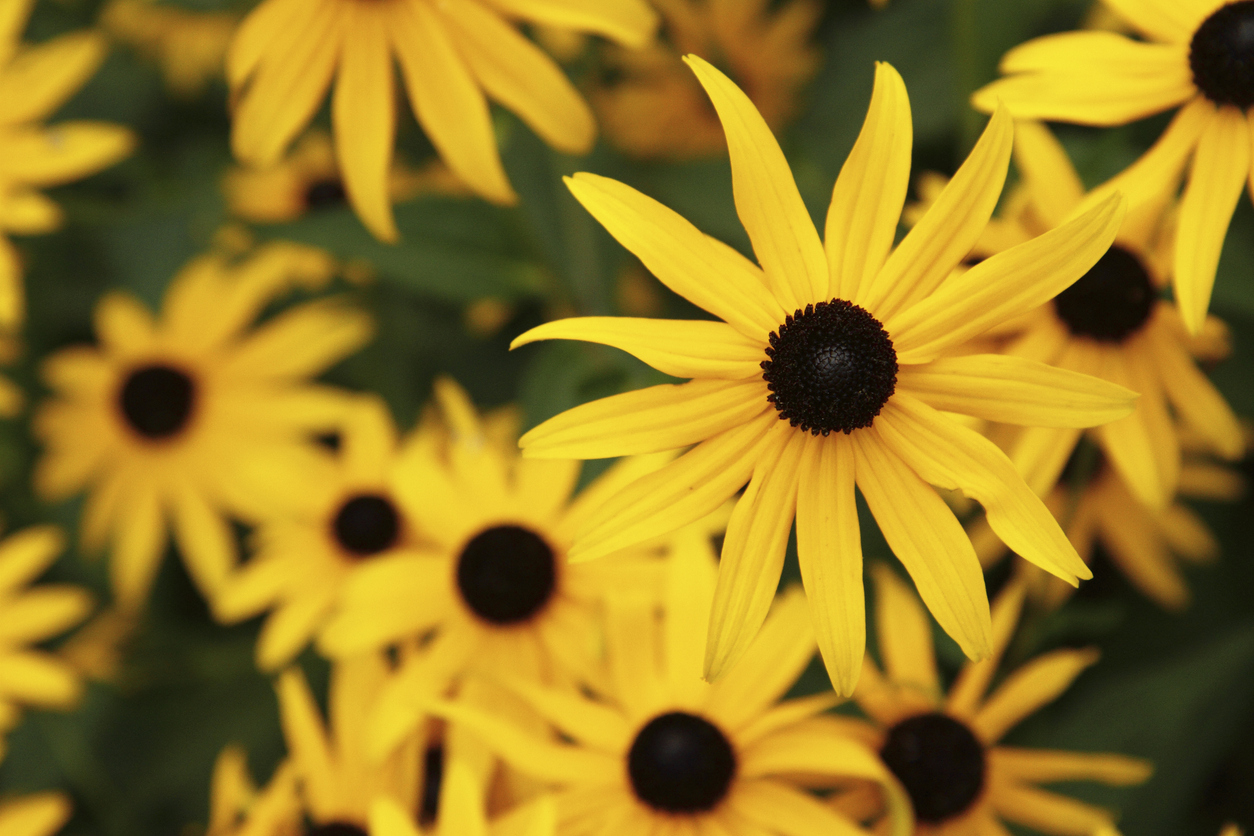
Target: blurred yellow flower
(1196, 55)
(188, 45)
(238, 808)
(186, 418)
(827, 372)
(286, 52)
(40, 814)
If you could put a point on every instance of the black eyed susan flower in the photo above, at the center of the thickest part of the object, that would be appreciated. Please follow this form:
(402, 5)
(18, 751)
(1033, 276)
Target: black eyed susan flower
(286, 52)
(491, 580)
(180, 420)
(349, 517)
(945, 748)
(665, 751)
(827, 373)
(40, 814)
(1199, 56)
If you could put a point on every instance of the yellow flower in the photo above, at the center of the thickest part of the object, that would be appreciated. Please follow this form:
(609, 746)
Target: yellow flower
(189, 46)
(308, 179)
(489, 575)
(944, 748)
(351, 516)
(451, 54)
(40, 814)
(34, 82)
(183, 419)
(827, 372)
(666, 751)
(1196, 58)
(1111, 324)
(29, 676)
(654, 107)
(238, 808)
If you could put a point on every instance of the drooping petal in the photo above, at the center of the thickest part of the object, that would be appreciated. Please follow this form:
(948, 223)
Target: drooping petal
(1195, 398)
(1040, 809)
(1035, 684)
(204, 537)
(306, 735)
(1046, 766)
(904, 633)
(630, 22)
(139, 543)
(972, 682)
(1143, 447)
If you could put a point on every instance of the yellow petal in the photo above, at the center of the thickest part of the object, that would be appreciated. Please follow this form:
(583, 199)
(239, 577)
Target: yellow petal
(252, 39)
(1128, 530)
(1050, 812)
(302, 341)
(42, 613)
(138, 548)
(1047, 766)
(630, 22)
(1220, 168)
(929, 542)
(871, 189)
(38, 679)
(778, 807)
(1035, 684)
(710, 275)
(38, 814)
(1142, 447)
(64, 152)
(462, 807)
(588, 722)
(289, 628)
(41, 78)
(1196, 399)
(123, 324)
(307, 742)
(1051, 179)
(205, 538)
(25, 555)
(387, 818)
(1172, 21)
(767, 200)
(829, 549)
(905, 634)
(1012, 390)
(972, 682)
(691, 575)
(388, 599)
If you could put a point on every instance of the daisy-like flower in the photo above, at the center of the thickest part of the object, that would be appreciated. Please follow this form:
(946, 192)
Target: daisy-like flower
(348, 518)
(655, 108)
(827, 372)
(286, 52)
(181, 420)
(1112, 324)
(189, 46)
(490, 576)
(29, 615)
(41, 814)
(667, 752)
(1199, 56)
(35, 80)
(945, 748)
(308, 179)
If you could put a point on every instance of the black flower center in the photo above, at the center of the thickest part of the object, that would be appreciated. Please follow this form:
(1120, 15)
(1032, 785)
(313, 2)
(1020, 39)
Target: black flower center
(832, 368)
(432, 779)
(939, 762)
(367, 524)
(681, 763)
(1111, 301)
(324, 194)
(506, 574)
(157, 400)
(1222, 55)
(337, 828)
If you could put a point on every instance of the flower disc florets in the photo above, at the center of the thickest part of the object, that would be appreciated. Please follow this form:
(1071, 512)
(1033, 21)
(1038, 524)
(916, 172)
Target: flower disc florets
(506, 574)
(367, 524)
(681, 763)
(1222, 55)
(323, 194)
(940, 763)
(1110, 302)
(157, 400)
(832, 368)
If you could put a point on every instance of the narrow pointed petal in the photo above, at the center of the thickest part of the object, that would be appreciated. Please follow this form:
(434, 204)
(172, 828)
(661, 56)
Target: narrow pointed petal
(1012, 390)
(905, 634)
(1035, 684)
(1142, 447)
(1170, 21)
(630, 22)
(140, 538)
(779, 807)
(1045, 766)
(1050, 812)
(681, 348)
(25, 555)
(1052, 180)
(1221, 166)
(829, 549)
(871, 189)
(1196, 399)
(36, 814)
(767, 200)
(306, 736)
(926, 537)
(968, 689)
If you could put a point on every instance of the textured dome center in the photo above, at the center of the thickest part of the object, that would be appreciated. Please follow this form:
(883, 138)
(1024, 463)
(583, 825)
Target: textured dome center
(1222, 55)
(939, 762)
(1111, 301)
(506, 574)
(157, 401)
(831, 368)
(681, 763)
(367, 524)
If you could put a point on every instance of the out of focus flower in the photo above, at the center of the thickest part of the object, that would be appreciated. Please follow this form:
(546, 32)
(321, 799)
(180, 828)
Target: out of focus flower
(653, 107)
(41, 814)
(945, 748)
(286, 52)
(1197, 55)
(238, 808)
(188, 45)
(664, 750)
(827, 372)
(181, 420)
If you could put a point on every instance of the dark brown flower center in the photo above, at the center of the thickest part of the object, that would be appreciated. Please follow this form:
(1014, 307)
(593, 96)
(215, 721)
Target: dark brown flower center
(506, 574)
(157, 400)
(324, 194)
(337, 828)
(939, 762)
(367, 524)
(1110, 302)
(681, 763)
(830, 368)
(432, 779)
(1222, 55)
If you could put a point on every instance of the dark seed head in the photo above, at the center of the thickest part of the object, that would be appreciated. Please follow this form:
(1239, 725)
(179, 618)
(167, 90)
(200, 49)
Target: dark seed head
(367, 524)
(831, 368)
(1111, 301)
(939, 762)
(337, 828)
(325, 194)
(1222, 55)
(506, 574)
(157, 400)
(681, 763)
(432, 780)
